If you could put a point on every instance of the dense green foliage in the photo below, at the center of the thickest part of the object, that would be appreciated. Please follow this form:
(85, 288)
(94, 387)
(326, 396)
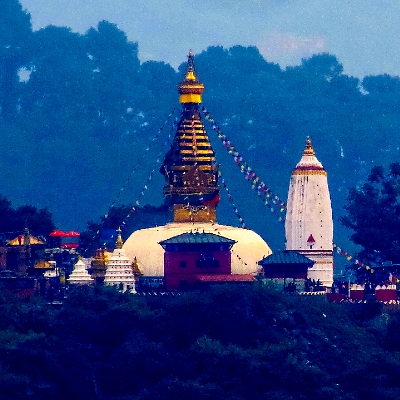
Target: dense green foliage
(78, 111)
(14, 220)
(243, 343)
(373, 213)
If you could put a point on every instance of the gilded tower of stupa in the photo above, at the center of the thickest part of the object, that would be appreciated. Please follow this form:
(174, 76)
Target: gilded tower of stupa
(189, 167)
(309, 224)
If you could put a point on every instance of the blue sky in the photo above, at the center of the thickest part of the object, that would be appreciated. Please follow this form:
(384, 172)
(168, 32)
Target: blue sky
(362, 34)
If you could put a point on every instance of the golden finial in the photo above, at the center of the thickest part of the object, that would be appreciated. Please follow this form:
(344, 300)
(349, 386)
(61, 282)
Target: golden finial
(190, 89)
(309, 150)
(135, 268)
(119, 242)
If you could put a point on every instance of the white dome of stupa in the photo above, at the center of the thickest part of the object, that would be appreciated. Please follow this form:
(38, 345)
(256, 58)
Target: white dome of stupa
(144, 245)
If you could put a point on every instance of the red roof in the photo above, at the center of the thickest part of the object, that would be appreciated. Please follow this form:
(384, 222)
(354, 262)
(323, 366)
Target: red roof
(72, 234)
(226, 278)
(57, 233)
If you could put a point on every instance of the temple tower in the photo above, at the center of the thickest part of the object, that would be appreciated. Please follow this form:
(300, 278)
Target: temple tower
(119, 270)
(80, 274)
(309, 224)
(189, 167)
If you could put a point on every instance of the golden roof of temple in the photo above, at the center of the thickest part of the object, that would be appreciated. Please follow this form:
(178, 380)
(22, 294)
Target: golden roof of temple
(135, 267)
(190, 88)
(24, 240)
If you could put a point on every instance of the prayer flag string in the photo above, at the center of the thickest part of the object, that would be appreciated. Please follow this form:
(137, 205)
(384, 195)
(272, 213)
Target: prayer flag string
(271, 200)
(144, 155)
(349, 257)
(150, 177)
(230, 198)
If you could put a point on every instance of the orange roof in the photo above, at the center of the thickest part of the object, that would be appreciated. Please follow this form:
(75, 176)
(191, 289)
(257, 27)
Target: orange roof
(20, 241)
(43, 264)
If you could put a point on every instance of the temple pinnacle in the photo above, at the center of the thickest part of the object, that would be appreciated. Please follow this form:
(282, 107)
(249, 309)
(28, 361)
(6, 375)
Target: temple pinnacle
(119, 242)
(190, 89)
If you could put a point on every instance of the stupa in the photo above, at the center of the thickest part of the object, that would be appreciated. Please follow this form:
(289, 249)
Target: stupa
(309, 224)
(80, 275)
(119, 270)
(192, 191)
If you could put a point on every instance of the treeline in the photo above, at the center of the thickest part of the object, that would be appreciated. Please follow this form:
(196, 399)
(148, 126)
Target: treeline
(78, 111)
(13, 221)
(235, 344)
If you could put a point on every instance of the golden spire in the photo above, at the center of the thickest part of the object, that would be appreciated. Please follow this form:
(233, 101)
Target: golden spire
(119, 242)
(189, 166)
(190, 88)
(309, 150)
(135, 268)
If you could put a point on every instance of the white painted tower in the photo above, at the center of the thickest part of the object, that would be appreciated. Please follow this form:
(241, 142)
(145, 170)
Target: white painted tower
(309, 224)
(80, 275)
(119, 270)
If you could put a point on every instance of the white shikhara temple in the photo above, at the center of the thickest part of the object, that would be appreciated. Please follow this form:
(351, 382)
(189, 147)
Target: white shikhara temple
(309, 224)
(80, 275)
(119, 269)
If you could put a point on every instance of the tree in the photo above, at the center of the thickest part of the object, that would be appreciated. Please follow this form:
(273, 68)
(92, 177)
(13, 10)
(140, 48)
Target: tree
(373, 213)
(15, 32)
(115, 66)
(39, 221)
(12, 221)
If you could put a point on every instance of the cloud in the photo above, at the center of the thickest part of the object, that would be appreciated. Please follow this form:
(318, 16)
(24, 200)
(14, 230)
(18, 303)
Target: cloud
(289, 49)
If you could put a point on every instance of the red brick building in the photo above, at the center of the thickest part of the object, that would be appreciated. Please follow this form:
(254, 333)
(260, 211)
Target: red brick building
(190, 256)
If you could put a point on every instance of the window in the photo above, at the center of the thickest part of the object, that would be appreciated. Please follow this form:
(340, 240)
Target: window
(182, 264)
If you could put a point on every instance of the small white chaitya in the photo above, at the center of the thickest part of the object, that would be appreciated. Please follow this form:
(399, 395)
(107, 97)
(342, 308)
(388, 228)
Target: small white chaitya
(80, 275)
(119, 270)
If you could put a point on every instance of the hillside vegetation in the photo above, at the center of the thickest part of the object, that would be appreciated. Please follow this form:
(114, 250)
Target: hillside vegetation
(244, 343)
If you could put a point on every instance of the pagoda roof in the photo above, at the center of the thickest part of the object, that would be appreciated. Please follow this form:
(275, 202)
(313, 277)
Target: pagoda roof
(197, 238)
(20, 241)
(286, 257)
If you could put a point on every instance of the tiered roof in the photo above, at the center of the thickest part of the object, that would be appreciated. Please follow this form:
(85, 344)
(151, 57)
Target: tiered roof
(189, 167)
(80, 275)
(119, 269)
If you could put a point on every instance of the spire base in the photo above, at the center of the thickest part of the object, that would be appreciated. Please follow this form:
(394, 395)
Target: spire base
(189, 213)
